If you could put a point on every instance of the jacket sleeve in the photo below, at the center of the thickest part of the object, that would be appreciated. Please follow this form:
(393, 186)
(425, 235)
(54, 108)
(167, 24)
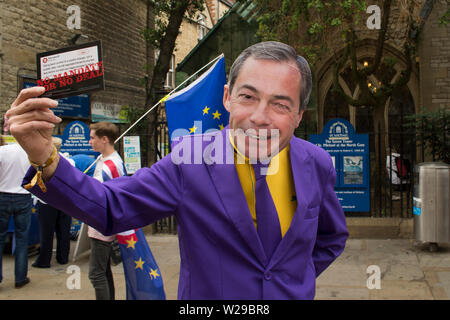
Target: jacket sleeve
(332, 230)
(119, 204)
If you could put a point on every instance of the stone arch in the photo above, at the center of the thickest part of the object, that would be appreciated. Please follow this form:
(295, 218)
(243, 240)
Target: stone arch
(366, 50)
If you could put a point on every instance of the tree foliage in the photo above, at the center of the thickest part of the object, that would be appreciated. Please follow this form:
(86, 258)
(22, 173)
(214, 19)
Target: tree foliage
(304, 24)
(433, 132)
(445, 18)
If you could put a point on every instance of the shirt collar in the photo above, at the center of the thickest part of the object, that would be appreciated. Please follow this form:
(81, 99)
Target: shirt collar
(239, 156)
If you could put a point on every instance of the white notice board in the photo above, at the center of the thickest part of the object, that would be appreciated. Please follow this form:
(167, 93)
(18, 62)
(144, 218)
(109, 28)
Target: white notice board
(132, 153)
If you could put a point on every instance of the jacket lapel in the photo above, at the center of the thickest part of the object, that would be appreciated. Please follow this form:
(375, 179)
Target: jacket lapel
(229, 189)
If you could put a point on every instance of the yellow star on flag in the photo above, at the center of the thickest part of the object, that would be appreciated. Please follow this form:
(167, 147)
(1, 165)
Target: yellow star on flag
(216, 115)
(153, 273)
(193, 129)
(221, 126)
(205, 111)
(131, 243)
(140, 264)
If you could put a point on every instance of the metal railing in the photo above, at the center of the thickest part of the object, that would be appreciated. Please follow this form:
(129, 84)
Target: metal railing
(162, 148)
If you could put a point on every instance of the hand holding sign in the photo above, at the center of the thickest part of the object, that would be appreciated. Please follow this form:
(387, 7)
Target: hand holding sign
(61, 73)
(31, 122)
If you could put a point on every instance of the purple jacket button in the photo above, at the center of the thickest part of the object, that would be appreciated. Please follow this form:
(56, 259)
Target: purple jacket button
(267, 275)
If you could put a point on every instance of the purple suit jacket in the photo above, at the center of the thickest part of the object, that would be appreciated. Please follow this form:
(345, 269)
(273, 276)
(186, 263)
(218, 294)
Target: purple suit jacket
(221, 254)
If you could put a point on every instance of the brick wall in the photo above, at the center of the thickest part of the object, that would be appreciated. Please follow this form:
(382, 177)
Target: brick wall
(211, 6)
(434, 54)
(188, 37)
(29, 27)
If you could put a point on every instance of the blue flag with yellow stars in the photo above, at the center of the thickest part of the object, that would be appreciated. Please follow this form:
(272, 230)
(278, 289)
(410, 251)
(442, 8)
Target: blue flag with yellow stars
(142, 275)
(199, 107)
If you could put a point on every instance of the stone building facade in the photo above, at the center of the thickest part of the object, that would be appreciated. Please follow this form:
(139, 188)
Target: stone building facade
(191, 31)
(33, 26)
(217, 8)
(434, 61)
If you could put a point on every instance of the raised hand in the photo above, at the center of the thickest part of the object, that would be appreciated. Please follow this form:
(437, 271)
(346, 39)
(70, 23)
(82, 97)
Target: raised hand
(31, 122)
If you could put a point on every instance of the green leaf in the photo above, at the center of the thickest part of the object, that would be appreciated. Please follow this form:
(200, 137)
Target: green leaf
(336, 22)
(445, 19)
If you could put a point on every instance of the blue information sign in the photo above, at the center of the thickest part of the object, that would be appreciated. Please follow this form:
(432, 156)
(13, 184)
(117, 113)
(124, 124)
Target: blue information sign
(75, 139)
(73, 107)
(350, 154)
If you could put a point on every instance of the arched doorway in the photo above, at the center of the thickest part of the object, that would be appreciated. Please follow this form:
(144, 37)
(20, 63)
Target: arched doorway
(398, 107)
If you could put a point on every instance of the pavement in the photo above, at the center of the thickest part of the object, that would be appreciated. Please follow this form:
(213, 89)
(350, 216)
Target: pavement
(368, 269)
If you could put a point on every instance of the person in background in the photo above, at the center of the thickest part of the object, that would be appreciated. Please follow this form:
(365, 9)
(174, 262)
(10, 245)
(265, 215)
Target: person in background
(15, 202)
(51, 221)
(109, 166)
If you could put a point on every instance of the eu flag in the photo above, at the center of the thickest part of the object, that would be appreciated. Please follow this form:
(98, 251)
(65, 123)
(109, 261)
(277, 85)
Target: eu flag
(142, 275)
(199, 107)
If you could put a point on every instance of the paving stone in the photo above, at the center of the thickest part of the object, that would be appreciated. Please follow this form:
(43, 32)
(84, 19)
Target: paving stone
(341, 293)
(407, 271)
(401, 290)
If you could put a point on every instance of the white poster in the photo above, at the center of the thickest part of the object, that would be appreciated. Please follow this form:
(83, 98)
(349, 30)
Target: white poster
(132, 153)
(70, 62)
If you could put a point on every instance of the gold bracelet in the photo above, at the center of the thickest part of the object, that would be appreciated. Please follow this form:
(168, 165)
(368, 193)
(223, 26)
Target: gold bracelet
(39, 170)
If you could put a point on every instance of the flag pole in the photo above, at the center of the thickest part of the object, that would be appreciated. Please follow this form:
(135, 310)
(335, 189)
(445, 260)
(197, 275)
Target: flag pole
(157, 104)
